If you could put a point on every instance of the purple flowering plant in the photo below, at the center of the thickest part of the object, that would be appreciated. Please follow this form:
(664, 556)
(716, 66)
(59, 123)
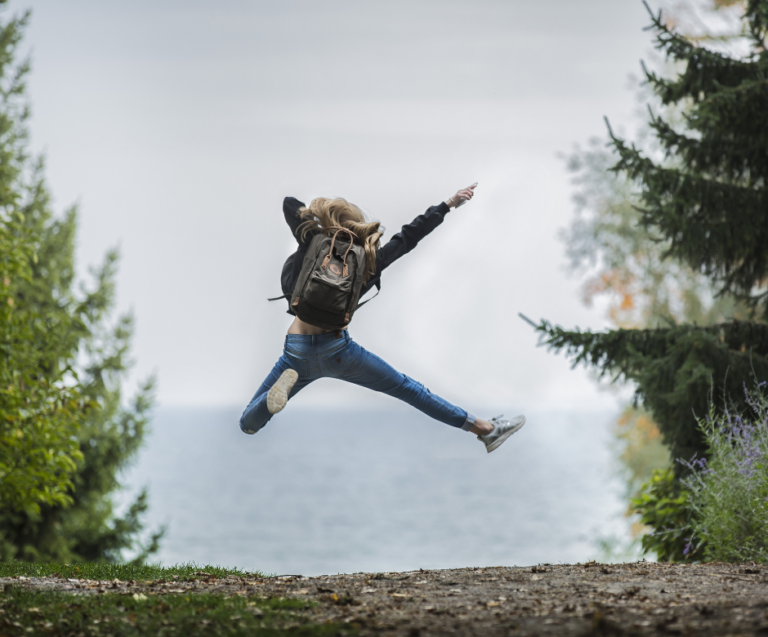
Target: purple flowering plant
(728, 492)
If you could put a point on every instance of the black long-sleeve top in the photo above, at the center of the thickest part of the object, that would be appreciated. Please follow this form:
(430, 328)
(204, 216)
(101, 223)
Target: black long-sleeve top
(400, 244)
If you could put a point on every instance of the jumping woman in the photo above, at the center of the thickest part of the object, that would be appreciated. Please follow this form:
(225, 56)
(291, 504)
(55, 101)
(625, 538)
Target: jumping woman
(338, 260)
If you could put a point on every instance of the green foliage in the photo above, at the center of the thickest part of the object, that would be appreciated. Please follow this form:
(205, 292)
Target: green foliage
(703, 199)
(31, 612)
(65, 433)
(38, 405)
(123, 572)
(674, 369)
(719, 511)
(710, 203)
(663, 505)
(647, 285)
(38, 410)
(728, 498)
(623, 261)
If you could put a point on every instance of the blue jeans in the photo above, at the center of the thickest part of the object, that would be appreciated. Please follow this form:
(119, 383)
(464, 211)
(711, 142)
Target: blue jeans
(332, 356)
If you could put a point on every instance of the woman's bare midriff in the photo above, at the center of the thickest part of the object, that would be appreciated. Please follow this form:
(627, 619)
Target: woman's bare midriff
(300, 327)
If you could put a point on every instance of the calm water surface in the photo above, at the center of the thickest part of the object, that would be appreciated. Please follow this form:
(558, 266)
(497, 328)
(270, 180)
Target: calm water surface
(326, 492)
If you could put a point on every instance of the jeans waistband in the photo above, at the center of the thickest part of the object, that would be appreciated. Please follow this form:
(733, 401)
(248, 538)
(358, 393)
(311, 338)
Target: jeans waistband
(318, 339)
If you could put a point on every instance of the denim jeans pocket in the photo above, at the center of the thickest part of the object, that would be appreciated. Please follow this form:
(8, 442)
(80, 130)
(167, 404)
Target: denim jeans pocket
(343, 361)
(301, 365)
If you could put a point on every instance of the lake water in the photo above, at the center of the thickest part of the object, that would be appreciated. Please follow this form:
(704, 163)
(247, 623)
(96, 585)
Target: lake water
(331, 492)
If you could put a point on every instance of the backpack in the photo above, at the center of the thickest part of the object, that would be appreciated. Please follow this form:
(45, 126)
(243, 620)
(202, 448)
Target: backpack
(328, 287)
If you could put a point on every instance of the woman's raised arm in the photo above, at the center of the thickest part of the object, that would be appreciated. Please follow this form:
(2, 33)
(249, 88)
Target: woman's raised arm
(411, 233)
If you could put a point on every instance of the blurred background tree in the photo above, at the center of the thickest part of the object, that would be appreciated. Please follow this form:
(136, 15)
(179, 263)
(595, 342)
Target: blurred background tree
(38, 410)
(619, 249)
(65, 434)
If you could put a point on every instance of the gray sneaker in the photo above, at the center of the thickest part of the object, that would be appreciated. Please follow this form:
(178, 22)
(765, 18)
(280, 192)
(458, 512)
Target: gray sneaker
(502, 429)
(278, 393)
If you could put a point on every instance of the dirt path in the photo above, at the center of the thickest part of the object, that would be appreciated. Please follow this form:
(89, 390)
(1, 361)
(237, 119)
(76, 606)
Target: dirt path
(586, 599)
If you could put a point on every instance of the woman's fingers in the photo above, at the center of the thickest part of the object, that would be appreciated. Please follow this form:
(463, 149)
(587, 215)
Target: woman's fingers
(462, 196)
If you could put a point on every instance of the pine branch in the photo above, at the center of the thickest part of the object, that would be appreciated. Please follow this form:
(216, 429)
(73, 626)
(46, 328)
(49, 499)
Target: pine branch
(673, 368)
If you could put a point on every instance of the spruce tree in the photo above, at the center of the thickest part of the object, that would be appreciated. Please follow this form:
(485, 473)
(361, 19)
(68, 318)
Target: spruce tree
(705, 198)
(64, 421)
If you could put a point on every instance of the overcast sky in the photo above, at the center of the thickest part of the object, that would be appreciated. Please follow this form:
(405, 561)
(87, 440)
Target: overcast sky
(179, 126)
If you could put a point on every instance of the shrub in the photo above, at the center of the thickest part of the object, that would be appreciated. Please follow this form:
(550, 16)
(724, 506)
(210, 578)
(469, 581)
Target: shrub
(663, 505)
(728, 491)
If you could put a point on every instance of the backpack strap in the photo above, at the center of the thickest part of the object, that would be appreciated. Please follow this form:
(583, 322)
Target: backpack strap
(352, 237)
(378, 289)
(282, 296)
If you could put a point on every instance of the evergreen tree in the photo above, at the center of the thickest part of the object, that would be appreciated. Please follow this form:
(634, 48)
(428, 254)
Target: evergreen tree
(63, 420)
(705, 198)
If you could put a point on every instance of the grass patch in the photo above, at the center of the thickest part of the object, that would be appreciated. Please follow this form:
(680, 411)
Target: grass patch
(123, 572)
(24, 612)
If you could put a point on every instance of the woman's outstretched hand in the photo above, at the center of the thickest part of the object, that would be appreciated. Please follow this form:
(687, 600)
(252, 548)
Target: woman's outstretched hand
(461, 197)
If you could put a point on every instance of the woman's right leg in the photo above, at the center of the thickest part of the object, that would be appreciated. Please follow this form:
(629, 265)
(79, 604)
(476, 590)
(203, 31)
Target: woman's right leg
(361, 367)
(256, 414)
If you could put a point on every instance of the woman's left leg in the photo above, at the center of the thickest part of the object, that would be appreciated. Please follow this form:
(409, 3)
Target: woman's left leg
(355, 364)
(256, 414)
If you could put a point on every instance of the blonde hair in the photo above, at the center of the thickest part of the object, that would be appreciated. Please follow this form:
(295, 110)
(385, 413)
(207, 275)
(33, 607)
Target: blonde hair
(322, 214)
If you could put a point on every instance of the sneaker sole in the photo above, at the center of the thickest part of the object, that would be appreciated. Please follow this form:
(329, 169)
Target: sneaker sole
(498, 442)
(277, 397)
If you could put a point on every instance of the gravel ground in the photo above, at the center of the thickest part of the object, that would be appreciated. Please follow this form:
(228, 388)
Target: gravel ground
(641, 598)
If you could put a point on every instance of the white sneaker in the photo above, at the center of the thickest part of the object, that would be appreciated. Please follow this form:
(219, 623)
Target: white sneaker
(278, 393)
(502, 429)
